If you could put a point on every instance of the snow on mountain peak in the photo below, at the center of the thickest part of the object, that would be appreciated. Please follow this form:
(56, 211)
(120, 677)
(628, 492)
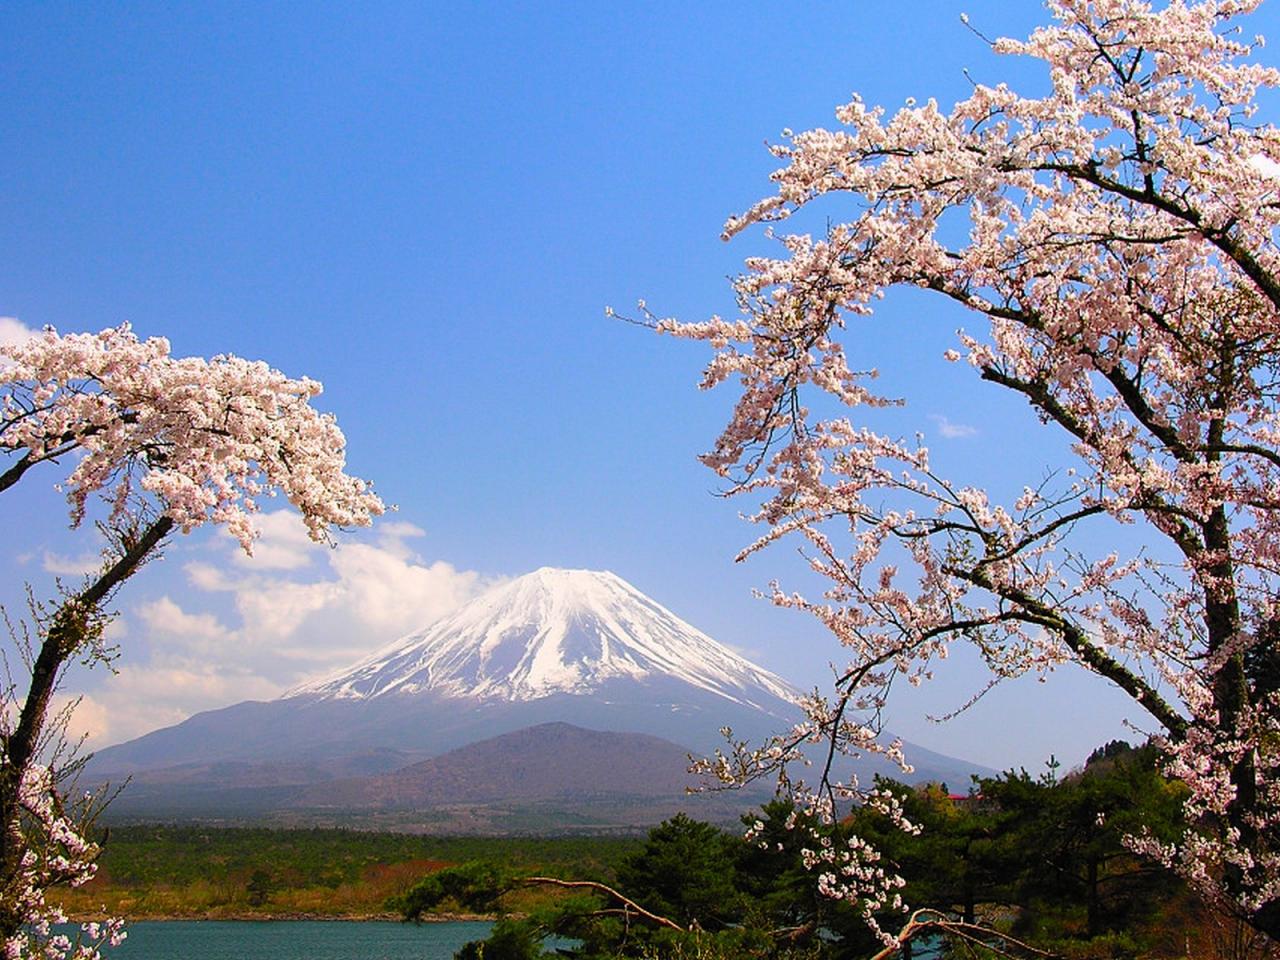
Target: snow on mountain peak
(549, 632)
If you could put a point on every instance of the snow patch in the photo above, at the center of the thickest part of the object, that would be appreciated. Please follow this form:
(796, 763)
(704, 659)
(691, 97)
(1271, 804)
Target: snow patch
(552, 632)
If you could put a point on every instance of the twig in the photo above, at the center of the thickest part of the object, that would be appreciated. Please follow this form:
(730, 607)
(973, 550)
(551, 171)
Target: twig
(972, 932)
(602, 888)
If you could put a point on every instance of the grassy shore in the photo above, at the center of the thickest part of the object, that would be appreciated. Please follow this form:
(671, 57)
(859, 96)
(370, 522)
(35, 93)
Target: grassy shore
(184, 872)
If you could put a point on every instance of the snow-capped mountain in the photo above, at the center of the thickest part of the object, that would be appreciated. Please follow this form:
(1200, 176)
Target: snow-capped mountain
(551, 648)
(554, 646)
(553, 632)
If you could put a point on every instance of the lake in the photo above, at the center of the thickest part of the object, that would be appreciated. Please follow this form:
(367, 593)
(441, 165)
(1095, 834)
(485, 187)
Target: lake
(312, 940)
(294, 940)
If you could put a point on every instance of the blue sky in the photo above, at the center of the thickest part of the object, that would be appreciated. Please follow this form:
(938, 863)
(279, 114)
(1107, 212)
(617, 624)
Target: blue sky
(428, 206)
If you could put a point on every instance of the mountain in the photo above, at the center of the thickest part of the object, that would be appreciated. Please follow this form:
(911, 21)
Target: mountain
(553, 647)
(555, 776)
(550, 632)
(547, 762)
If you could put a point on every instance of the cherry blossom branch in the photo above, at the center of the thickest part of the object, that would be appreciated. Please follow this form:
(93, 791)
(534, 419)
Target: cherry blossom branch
(925, 921)
(1220, 236)
(1122, 253)
(68, 631)
(167, 444)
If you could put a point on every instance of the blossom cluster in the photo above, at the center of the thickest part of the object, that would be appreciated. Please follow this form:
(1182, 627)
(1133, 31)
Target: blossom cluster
(165, 442)
(1121, 254)
(207, 438)
(56, 852)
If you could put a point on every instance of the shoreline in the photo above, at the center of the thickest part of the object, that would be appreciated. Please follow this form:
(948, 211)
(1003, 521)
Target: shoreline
(288, 916)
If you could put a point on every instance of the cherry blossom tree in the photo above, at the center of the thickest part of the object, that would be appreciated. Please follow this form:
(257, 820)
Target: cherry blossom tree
(1116, 237)
(165, 444)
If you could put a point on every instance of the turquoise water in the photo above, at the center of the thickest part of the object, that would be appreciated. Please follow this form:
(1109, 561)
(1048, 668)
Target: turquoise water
(312, 940)
(294, 940)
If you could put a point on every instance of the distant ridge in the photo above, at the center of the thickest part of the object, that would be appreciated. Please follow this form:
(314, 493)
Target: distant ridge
(550, 761)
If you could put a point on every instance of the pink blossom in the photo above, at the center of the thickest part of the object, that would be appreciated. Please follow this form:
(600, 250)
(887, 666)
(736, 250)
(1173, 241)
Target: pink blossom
(164, 443)
(1122, 255)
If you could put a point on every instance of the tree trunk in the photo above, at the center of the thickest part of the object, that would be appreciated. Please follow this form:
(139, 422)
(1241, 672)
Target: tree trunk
(67, 632)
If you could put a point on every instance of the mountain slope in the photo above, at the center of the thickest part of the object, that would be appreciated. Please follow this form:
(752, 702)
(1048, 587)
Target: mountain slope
(546, 762)
(335, 731)
(554, 631)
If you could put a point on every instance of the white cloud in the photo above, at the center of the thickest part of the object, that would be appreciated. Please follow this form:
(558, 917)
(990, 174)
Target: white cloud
(953, 431)
(80, 566)
(282, 543)
(273, 610)
(396, 593)
(165, 619)
(88, 718)
(182, 686)
(399, 530)
(205, 576)
(1265, 166)
(250, 630)
(372, 589)
(13, 331)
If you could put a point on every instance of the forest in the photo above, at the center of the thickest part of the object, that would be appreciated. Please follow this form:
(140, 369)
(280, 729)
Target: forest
(1014, 866)
(152, 871)
(1021, 865)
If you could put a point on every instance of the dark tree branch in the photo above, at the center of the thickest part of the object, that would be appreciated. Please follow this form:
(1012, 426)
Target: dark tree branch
(608, 891)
